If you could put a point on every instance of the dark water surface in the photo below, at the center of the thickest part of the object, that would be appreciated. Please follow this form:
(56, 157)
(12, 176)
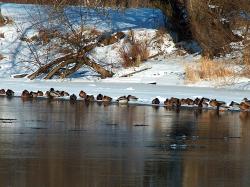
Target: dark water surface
(61, 144)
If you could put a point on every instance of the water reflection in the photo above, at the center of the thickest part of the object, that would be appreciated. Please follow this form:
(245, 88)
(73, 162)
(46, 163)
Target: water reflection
(57, 143)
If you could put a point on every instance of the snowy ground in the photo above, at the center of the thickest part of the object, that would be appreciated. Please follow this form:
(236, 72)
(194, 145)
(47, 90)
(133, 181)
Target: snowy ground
(145, 92)
(167, 71)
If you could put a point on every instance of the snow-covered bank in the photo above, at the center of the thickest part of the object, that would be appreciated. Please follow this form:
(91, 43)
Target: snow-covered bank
(167, 71)
(145, 92)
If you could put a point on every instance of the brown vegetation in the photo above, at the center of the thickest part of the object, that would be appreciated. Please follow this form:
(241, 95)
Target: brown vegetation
(134, 52)
(207, 69)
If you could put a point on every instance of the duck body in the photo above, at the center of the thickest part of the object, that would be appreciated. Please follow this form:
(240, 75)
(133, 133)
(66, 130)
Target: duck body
(82, 94)
(33, 94)
(39, 93)
(122, 100)
(99, 97)
(132, 98)
(155, 101)
(246, 101)
(90, 98)
(2, 92)
(243, 106)
(10, 93)
(64, 94)
(106, 99)
(234, 104)
(73, 97)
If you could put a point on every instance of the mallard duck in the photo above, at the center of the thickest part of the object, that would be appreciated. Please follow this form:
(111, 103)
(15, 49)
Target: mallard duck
(203, 103)
(234, 104)
(2, 92)
(73, 97)
(106, 99)
(33, 94)
(177, 103)
(99, 97)
(246, 101)
(132, 98)
(217, 104)
(64, 94)
(10, 93)
(82, 94)
(122, 100)
(52, 94)
(244, 106)
(184, 102)
(90, 98)
(155, 101)
(25, 94)
(197, 101)
(168, 103)
(39, 93)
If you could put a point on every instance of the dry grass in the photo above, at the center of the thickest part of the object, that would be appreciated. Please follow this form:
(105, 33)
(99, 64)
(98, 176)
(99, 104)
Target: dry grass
(134, 52)
(208, 69)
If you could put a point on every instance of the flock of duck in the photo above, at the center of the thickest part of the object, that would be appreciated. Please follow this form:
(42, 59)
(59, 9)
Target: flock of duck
(172, 102)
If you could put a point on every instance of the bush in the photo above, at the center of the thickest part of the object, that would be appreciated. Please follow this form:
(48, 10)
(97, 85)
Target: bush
(134, 52)
(208, 70)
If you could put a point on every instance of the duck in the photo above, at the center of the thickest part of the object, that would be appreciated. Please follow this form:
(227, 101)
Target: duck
(132, 98)
(243, 106)
(203, 103)
(106, 99)
(10, 93)
(190, 101)
(90, 98)
(99, 97)
(177, 103)
(246, 101)
(197, 101)
(25, 94)
(156, 101)
(33, 94)
(168, 103)
(52, 94)
(2, 92)
(217, 104)
(184, 102)
(73, 97)
(64, 94)
(187, 101)
(122, 100)
(39, 93)
(234, 104)
(82, 94)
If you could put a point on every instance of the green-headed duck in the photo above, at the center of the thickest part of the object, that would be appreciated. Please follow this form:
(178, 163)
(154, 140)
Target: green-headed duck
(155, 101)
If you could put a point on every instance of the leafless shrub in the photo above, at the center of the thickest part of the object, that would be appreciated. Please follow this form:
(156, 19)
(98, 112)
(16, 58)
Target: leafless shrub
(134, 52)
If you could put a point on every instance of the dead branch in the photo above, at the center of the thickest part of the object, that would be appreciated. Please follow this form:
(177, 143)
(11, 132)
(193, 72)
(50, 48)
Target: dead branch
(79, 59)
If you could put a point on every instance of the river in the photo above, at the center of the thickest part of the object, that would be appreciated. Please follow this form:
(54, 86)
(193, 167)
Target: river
(58, 143)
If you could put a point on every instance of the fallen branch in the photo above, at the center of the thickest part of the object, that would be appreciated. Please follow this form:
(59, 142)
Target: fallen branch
(80, 59)
(134, 72)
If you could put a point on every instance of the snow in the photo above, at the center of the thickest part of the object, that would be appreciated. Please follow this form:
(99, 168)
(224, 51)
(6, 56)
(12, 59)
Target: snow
(145, 92)
(166, 70)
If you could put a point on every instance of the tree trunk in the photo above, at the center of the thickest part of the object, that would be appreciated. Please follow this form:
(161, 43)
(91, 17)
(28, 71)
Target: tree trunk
(80, 60)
